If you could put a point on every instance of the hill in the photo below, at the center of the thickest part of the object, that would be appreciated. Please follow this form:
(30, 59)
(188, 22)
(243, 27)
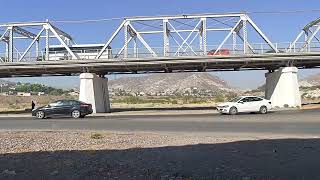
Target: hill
(313, 80)
(175, 84)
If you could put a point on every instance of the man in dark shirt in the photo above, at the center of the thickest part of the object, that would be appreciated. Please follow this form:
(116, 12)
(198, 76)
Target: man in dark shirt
(32, 105)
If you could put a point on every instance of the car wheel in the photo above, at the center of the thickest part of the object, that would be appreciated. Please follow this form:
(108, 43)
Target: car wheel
(233, 111)
(76, 114)
(40, 115)
(263, 110)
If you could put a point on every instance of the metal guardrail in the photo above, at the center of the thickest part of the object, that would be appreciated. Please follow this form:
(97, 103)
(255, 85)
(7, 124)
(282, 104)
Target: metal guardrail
(90, 54)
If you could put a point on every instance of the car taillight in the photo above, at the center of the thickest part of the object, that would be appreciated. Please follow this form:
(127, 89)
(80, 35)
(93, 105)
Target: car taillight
(85, 105)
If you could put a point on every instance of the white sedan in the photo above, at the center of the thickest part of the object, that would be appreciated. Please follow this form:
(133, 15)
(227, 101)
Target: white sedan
(245, 104)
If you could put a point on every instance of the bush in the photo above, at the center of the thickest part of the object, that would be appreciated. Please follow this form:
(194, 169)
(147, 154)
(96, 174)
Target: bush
(174, 102)
(96, 136)
(218, 99)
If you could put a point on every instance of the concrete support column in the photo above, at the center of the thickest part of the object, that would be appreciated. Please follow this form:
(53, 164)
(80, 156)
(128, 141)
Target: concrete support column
(282, 87)
(94, 90)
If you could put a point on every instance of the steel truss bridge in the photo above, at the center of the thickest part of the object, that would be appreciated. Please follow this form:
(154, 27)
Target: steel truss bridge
(206, 42)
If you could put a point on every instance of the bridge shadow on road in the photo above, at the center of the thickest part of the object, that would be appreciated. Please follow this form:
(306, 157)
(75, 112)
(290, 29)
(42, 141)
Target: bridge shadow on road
(285, 159)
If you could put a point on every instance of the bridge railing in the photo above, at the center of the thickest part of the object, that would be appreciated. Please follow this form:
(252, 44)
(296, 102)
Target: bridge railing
(140, 52)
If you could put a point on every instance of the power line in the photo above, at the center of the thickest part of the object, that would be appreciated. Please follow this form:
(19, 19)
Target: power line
(285, 12)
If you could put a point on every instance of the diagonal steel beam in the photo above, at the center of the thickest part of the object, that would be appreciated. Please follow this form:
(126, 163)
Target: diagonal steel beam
(123, 47)
(4, 37)
(143, 41)
(24, 32)
(248, 44)
(75, 56)
(315, 36)
(60, 32)
(293, 44)
(197, 34)
(227, 37)
(186, 40)
(310, 38)
(264, 37)
(308, 26)
(110, 40)
(180, 37)
(29, 47)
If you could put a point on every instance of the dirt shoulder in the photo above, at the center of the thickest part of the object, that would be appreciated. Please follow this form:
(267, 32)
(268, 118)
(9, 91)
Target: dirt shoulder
(146, 155)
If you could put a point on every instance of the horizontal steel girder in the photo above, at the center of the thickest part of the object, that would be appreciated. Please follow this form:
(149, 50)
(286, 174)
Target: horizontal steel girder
(154, 65)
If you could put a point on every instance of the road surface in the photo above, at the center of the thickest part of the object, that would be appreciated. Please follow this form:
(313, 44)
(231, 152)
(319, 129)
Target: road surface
(284, 122)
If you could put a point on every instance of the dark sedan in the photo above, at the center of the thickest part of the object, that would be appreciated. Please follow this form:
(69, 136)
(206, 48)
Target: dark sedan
(73, 108)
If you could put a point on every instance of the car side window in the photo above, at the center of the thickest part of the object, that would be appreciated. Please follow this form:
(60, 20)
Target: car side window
(257, 99)
(245, 100)
(251, 99)
(68, 103)
(57, 103)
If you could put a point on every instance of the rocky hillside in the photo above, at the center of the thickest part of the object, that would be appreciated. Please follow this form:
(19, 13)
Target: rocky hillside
(313, 80)
(196, 84)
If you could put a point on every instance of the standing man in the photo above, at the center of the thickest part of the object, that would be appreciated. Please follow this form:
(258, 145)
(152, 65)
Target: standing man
(32, 105)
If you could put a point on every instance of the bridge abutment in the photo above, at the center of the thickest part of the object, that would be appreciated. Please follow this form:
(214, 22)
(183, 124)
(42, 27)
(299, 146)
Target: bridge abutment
(282, 87)
(94, 90)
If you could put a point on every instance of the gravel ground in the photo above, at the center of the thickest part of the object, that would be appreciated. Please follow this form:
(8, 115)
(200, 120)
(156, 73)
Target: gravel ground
(121, 155)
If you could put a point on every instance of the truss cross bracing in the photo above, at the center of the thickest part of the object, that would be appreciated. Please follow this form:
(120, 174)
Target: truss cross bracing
(148, 37)
(308, 39)
(186, 35)
(32, 34)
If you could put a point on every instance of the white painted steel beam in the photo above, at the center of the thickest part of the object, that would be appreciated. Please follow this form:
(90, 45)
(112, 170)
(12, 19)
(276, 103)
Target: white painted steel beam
(184, 30)
(265, 38)
(29, 47)
(185, 17)
(74, 55)
(227, 37)
(110, 40)
(143, 41)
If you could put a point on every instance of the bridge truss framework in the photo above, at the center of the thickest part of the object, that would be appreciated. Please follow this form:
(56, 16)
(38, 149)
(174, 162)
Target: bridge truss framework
(193, 26)
(34, 32)
(180, 35)
(310, 39)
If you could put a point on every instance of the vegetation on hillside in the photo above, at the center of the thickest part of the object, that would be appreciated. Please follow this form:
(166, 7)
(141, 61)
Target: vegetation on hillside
(35, 88)
(171, 99)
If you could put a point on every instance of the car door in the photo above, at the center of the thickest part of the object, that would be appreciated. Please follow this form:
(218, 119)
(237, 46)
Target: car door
(252, 105)
(54, 108)
(243, 105)
(66, 107)
(256, 103)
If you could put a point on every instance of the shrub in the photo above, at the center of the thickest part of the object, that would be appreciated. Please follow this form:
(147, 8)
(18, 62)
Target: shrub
(174, 102)
(96, 136)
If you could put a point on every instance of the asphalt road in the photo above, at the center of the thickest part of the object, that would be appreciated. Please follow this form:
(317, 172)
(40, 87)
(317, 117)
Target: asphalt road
(284, 122)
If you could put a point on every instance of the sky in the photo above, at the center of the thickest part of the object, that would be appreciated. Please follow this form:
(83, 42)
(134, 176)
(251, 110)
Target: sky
(278, 27)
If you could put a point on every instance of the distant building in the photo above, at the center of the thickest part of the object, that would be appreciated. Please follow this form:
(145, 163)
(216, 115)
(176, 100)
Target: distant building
(23, 94)
(12, 93)
(41, 93)
(73, 93)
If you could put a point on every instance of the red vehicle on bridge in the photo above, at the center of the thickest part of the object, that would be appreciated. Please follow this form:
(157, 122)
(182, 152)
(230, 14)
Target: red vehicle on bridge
(222, 52)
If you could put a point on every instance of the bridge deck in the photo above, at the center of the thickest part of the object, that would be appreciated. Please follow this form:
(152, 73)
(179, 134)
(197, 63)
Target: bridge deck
(154, 65)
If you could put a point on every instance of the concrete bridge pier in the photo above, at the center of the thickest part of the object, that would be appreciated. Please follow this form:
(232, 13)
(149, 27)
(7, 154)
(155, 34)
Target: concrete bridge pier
(282, 87)
(94, 90)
